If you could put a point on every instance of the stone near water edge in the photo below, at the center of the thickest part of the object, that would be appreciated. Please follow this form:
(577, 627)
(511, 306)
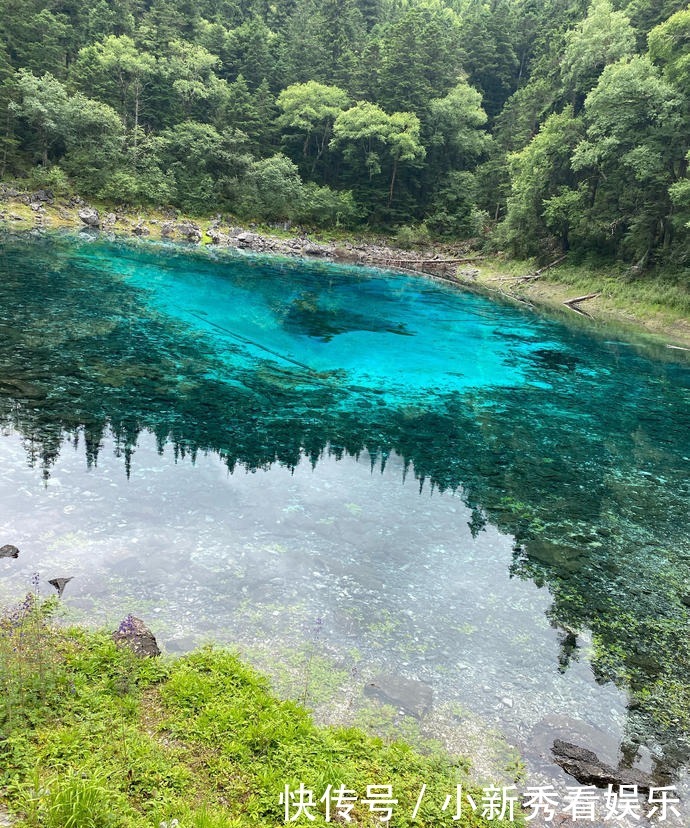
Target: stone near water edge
(90, 217)
(133, 633)
(247, 239)
(311, 249)
(9, 551)
(588, 769)
(189, 230)
(412, 696)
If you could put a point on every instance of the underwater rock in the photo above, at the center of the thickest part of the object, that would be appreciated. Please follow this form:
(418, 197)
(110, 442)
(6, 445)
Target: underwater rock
(133, 633)
(588, 769)
(90, 217)
(59, 584)
(9, 551)
(414, 697)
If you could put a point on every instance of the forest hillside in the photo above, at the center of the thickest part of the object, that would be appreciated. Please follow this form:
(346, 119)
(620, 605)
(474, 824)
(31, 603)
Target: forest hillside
(534, 126)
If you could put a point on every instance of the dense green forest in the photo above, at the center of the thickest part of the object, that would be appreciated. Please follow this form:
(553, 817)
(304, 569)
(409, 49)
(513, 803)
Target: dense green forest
(535, 126)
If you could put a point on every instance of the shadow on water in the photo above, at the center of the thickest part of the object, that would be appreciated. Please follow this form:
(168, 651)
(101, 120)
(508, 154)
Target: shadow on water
(582, 459)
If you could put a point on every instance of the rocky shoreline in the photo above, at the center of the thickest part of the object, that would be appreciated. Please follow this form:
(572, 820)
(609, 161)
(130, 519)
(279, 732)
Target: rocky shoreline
(45, 211)
(455, 263)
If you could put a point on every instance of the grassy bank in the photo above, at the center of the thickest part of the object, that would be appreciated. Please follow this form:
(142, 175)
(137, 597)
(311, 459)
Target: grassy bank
(93, 737)
(656, 305)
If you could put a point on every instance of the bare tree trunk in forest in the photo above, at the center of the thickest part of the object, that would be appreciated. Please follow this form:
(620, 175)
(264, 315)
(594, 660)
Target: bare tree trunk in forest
(390, 192)
(137, 91)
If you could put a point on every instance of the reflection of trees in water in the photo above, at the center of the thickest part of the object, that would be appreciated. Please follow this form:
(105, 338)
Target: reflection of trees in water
(587, 474)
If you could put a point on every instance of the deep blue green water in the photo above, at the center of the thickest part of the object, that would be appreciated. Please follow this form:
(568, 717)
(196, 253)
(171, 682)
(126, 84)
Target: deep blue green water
(467, 493)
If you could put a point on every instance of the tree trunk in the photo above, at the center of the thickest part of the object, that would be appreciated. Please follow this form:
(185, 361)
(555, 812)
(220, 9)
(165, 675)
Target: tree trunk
(8, 131)
(390, 192)
(137, 92)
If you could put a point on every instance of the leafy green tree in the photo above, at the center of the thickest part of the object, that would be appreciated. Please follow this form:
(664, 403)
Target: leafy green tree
(669, 47)
(603, 37)
(631, 154)
(84, 135)
(367, 134)
(204, 164)
(139, 179)
(116, 71)
(538, 172)
(420, 57)
(324, 206)
(308, 111)
(44, 106)
(271, 190)
(457, 138)
(190, 69)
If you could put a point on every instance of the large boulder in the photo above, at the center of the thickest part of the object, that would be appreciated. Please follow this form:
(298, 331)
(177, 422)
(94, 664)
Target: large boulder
(133, 633)
(90, 217)
(9, 551)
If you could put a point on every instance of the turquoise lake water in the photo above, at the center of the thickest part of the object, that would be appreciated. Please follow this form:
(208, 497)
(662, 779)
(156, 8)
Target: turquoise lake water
(463, 492)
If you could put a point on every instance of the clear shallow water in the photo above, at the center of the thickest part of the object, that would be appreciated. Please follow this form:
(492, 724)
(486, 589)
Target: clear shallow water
(524, 549)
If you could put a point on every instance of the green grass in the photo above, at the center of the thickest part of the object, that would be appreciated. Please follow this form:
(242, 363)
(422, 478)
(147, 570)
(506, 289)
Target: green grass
(641, 296)
(101, 739)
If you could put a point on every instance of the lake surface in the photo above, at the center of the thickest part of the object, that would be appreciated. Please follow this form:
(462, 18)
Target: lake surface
(396, 475)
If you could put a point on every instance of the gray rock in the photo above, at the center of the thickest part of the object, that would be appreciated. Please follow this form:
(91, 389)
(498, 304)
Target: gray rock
(167, 229)
(588, 769)
(133, 633)
(46, 196)
(216, 236)
(414, 697)
(189, 231)
(140, 229)
(310, 249)
(248, 239)
(90, 217)
(9, 551)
